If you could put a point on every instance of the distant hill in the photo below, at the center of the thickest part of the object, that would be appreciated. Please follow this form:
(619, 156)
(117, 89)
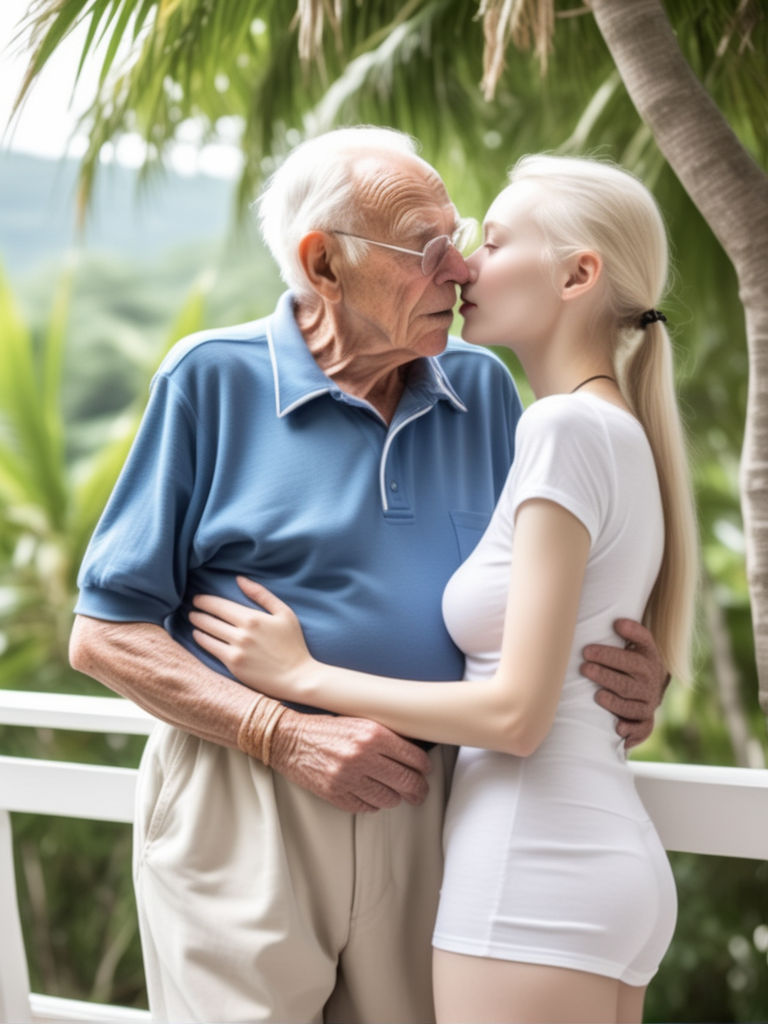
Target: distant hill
(37, 211)
(144, 256)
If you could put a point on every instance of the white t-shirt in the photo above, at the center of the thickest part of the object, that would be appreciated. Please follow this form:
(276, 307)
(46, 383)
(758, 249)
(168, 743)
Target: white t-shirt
(594, 459)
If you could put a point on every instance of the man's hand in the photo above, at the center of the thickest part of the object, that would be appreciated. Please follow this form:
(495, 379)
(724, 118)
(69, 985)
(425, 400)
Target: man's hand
(353, 763)
(632, 679)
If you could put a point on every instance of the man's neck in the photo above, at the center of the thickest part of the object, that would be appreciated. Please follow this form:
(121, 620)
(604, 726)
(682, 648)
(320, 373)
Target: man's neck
(376, 378)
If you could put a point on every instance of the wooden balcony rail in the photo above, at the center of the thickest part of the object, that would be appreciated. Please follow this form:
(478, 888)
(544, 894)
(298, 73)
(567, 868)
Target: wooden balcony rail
(697, 808)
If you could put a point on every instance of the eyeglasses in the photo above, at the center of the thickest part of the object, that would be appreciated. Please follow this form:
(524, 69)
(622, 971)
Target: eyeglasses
(434, 251)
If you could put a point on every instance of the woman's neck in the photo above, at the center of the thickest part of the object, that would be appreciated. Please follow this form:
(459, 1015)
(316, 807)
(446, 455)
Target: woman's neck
(590, 375)
(568, 360)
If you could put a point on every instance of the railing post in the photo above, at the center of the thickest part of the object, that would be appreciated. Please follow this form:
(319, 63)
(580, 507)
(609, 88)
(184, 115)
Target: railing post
(14, 977)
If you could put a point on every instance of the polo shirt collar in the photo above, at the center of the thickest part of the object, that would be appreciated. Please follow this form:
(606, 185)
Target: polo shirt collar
(427, 375)
(298, 378)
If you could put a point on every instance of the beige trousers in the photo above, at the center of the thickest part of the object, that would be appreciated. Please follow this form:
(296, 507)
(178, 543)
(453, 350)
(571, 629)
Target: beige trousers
(260, 902)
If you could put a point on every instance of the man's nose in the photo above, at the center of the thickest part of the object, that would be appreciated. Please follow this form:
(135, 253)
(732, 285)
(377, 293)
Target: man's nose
(453, 267)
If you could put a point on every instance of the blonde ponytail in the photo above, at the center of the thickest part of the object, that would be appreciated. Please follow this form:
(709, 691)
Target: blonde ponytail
(646, 378)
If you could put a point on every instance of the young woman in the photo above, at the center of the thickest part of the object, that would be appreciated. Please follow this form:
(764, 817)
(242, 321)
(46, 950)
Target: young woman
(558, 902)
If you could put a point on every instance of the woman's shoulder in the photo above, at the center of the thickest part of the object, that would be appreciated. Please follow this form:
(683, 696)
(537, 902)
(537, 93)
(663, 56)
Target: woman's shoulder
(562, 414)
(584, 414)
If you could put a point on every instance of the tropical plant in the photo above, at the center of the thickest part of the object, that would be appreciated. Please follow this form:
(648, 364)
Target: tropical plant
(49, 504)
(416, 65)
(286, 69)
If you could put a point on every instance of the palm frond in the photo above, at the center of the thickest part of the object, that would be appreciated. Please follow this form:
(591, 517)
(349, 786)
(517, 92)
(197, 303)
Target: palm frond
(46, 24)
(284, 71)
(525, 22)
(31, 449)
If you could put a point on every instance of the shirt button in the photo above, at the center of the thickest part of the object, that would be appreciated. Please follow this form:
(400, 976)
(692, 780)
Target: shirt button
(393, 485)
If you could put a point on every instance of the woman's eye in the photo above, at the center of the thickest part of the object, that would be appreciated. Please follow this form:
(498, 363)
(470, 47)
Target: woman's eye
(490, 246)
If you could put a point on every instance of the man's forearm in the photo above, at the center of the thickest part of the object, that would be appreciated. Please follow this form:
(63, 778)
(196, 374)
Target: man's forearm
(142, 662)
(354, 765)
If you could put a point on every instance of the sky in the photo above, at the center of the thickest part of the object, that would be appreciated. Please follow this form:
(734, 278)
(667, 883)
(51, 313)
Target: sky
(48, 118)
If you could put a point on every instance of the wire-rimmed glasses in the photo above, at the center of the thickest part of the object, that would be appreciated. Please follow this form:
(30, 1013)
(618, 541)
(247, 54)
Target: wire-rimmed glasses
(434, 251)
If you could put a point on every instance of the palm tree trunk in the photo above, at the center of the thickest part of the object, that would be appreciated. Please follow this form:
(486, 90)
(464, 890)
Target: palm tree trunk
(731, 192)
(747, 750)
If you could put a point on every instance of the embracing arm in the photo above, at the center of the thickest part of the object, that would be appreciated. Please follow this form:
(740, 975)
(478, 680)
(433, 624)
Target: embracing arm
(353, 764)
(631, 680)
(511, 712)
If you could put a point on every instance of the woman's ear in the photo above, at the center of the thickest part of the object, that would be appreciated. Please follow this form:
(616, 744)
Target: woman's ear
(318, 262)
(582, 272)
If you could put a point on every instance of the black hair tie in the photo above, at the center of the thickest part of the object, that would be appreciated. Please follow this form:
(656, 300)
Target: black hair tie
(650, 316)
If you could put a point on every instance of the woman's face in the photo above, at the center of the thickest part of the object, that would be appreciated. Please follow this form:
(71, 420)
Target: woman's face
(513, 297)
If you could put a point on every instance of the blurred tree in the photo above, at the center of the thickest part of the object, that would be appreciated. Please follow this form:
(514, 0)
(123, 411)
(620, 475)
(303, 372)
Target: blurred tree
(731, 192)
(49, 505)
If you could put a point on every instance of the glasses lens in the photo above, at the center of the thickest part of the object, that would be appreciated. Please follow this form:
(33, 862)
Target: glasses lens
(433, 254)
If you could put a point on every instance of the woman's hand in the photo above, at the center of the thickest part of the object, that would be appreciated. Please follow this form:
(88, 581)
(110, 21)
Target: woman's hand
(263, 649)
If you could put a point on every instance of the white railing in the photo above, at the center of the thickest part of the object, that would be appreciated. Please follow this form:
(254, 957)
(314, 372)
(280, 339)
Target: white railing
(696, 808)
(97, 792)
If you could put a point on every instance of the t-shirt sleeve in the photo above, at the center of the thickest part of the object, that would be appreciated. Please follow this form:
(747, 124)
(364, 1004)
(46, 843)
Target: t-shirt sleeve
(135, 565)
(561, 455)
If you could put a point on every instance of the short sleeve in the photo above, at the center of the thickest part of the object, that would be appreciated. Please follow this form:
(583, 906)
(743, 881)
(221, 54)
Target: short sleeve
(135, 565)
(561, 454)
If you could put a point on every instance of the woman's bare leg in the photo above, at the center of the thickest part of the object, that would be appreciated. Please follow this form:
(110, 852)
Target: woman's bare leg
(485, 991)
(631, 999)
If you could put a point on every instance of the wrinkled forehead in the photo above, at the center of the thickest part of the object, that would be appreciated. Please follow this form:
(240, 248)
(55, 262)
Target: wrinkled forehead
(403, 195)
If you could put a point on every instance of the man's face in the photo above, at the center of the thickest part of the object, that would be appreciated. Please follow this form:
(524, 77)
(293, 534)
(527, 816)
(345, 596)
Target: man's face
(390, 307)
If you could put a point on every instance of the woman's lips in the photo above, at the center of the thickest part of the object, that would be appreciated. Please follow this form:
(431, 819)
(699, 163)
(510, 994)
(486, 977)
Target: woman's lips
(466, 306)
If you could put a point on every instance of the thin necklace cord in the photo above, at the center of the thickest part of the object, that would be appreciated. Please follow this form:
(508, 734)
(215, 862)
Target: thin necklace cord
(597, 376)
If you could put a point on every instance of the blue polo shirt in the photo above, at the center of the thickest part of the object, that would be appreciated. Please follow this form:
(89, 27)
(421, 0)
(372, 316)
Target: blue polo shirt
(249, 459)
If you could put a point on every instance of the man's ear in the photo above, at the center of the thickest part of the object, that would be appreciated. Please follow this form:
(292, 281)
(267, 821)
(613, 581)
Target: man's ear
(317, 262)
(582, 271)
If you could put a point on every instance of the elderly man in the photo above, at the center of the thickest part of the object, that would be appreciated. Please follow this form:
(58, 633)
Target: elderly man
(340, 453)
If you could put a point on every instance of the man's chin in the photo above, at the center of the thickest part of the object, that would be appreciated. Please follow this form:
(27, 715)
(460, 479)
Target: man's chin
(435, 343)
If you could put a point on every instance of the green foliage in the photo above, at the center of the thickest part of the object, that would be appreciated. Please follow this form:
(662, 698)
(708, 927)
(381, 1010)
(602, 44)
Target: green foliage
(715, 969)
(74, 370)
(78, 909)
(77, 947)
(48, 507)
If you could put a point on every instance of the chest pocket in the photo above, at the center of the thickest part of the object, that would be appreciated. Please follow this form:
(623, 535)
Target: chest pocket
(469, 528)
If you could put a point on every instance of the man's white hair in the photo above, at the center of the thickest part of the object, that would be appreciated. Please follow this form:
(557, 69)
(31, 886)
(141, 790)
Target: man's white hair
(315, 189)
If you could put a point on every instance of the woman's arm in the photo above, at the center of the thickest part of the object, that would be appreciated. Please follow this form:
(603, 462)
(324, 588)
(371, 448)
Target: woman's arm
(511, 712)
